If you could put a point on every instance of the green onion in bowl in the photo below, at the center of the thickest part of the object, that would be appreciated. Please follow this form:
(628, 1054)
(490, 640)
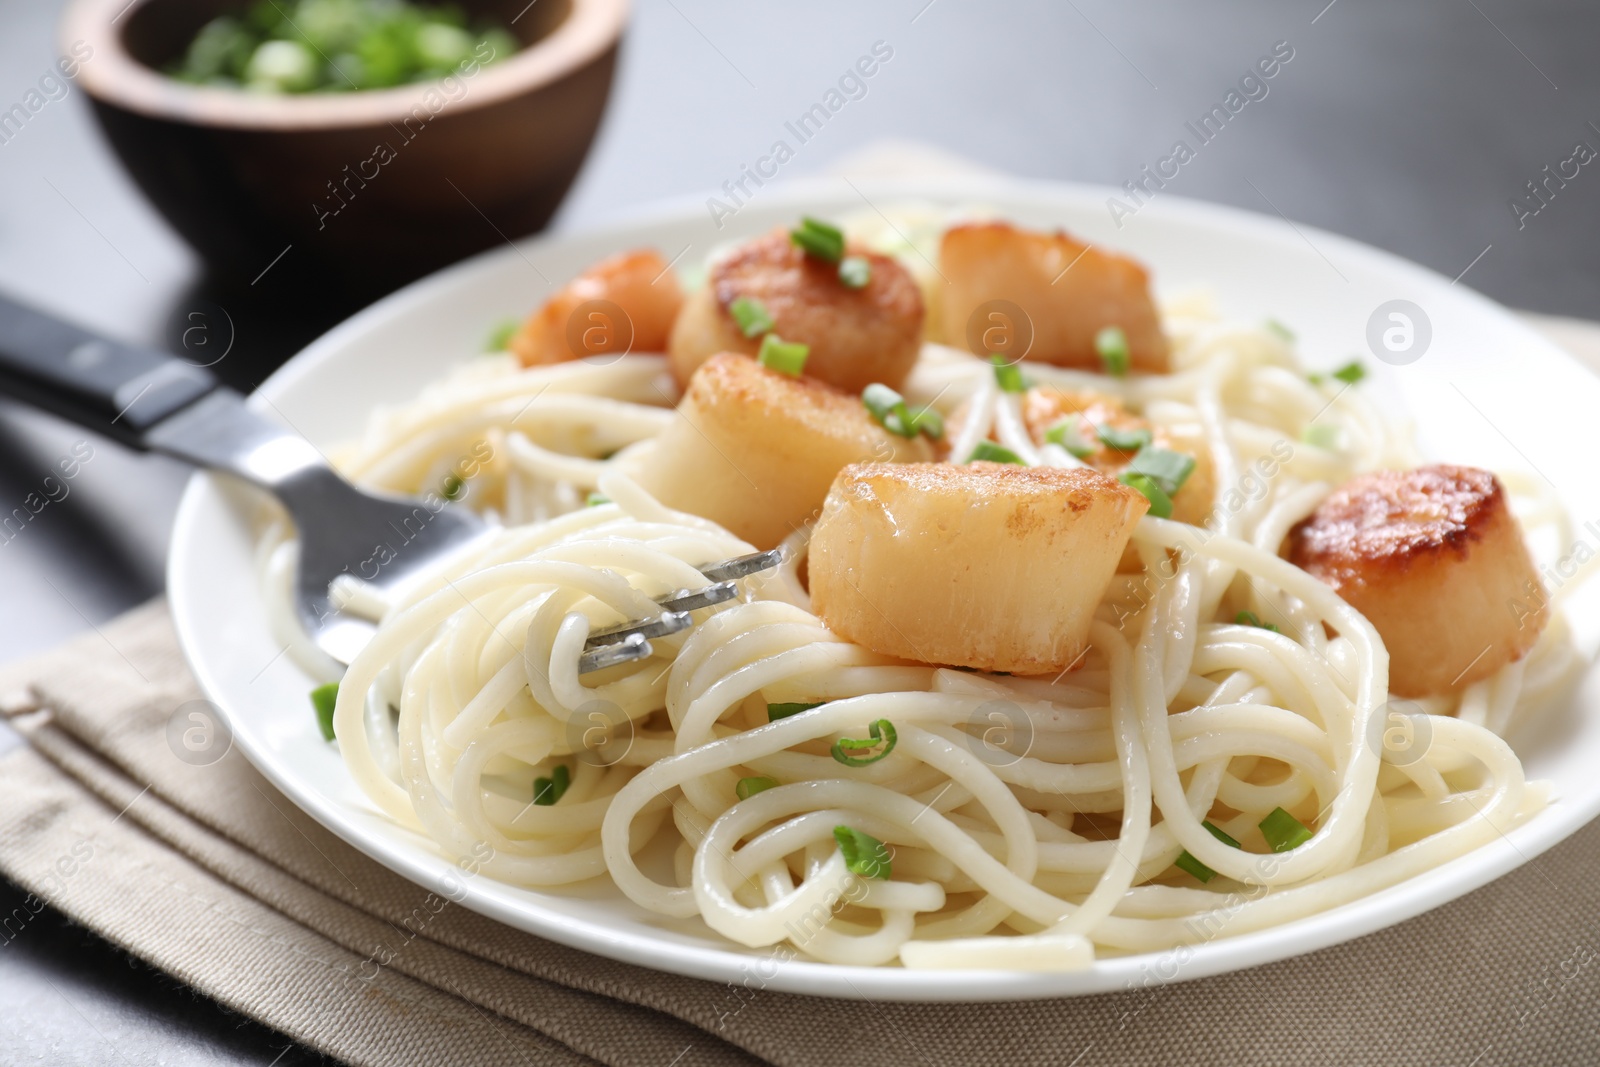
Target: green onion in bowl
(333, 46)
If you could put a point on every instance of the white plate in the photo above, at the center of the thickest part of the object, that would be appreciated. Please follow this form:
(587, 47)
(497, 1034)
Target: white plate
(1482, 361)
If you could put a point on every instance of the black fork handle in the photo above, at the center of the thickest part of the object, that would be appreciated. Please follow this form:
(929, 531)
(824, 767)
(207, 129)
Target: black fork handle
(116, 389)
(149, 400)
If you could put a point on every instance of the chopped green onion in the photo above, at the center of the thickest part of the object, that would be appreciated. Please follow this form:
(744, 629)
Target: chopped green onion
(988, 450)
(749, 787)
(282, 67)
(783, 711)
(453, 487)
(1124, 440)
(751, 315)
(1160, 502)
(218, 52)
(1351, 372)
(1111, 344)
(594, 500)
(499, 339)
(855, 272)
(1283, 831)
(546, 791)
(323, 698)
(1321, 436)
(1068, 434)
(1169, 469)
(928, 421)
(1274, 326)
(1250, 618)
(819, 239)
(882, 732)
(889, 409)
(863, 854)
(783, 356)
(1187, 862)
(1007, 374)
(339, 45)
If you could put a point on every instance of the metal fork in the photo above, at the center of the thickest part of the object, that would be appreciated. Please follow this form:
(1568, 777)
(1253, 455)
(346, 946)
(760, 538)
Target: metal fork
(153, 401)
(631, 640)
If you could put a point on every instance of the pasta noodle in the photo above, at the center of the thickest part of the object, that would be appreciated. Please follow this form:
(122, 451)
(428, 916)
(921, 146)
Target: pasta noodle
(1034, 822)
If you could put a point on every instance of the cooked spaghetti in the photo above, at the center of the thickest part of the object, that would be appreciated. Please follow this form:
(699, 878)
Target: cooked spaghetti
(1218, 734)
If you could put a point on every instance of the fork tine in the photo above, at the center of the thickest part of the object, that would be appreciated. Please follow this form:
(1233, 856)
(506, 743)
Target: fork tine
(740, 566)
(629, 641)
(691, 599)
(668, 622)
(674, 616)
(630, 648)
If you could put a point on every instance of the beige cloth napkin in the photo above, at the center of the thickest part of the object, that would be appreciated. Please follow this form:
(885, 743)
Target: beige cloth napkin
(211, 874)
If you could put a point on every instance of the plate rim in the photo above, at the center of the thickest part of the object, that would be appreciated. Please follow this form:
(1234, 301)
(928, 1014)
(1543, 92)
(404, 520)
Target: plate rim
(413, 861)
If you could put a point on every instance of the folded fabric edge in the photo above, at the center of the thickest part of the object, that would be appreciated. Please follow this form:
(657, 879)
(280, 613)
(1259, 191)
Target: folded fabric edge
(226, 944)
(606, 1029)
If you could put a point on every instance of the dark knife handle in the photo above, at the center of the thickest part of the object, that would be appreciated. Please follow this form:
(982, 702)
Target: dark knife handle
(116, 389)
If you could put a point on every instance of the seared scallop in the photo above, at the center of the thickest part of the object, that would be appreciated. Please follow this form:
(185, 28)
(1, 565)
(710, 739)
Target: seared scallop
(626, 303)
(1084, 416)
(1068, 291)
(755, 450)
(986, 565)
(1045, 407)
(1437, 563)
(857, 336)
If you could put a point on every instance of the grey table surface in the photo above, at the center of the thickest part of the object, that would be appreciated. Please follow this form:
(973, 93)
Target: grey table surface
(1410, 126)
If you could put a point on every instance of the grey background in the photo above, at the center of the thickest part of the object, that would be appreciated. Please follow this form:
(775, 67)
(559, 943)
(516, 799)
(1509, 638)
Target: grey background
(1409, 126)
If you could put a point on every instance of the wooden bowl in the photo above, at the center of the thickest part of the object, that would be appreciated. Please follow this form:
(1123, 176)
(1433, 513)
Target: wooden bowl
(369, 188)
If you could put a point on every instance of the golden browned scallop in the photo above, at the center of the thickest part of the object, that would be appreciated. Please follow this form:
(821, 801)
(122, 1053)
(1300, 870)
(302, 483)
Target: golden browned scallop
(1437, 563)
(1068, 290)
(857, 336)
(640, 283)
(1044, 406)
(755, 450)
(986, 565)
